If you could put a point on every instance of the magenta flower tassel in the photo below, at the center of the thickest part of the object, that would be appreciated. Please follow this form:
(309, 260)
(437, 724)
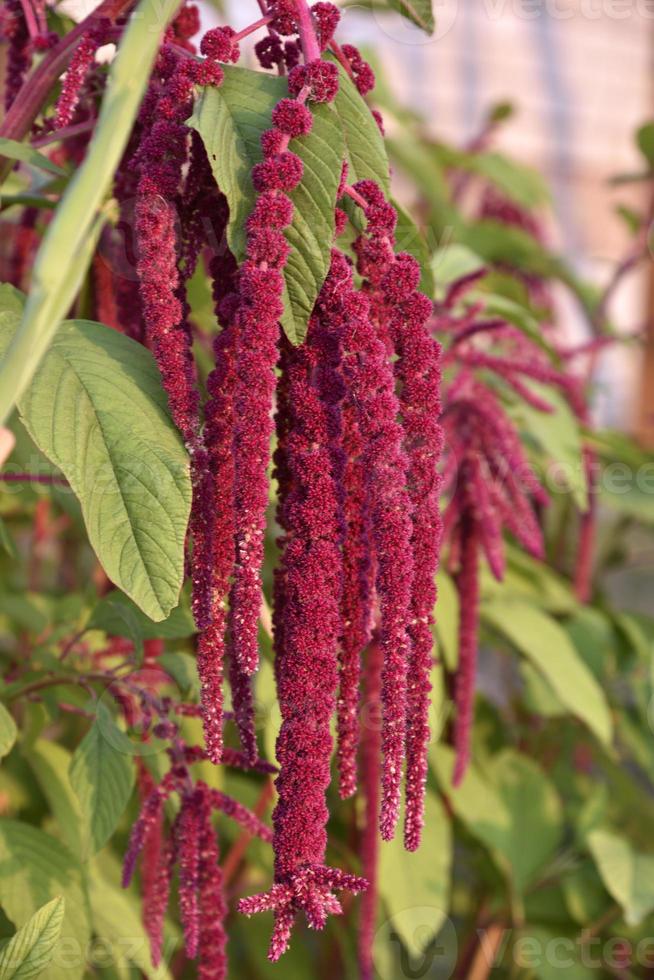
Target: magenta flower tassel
(156, 894)
(356, 603)
(306, 657)
(212, 940)
(257, 323)
(369, 846)
(213, 527)
(19, 49)
(419, 374)
(368, 374)
(187, 832)
(78, 69)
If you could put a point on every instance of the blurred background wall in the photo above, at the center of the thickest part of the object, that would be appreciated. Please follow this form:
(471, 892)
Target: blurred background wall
(580, 75)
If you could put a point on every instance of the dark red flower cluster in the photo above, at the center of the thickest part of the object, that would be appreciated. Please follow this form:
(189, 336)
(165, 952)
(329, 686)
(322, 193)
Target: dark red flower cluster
(490, 482)
(80, 64)
(191, 845)
(401, 314)
(14, 29)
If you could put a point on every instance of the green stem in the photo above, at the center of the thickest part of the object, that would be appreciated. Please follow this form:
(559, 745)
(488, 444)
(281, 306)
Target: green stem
(70, 239)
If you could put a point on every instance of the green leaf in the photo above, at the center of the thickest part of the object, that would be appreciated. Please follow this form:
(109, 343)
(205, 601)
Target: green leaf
(97, 409)
(50, 764)
(409, 238)
(36, 868)
(536, 815)
(452, 262)
(627, 875)
(6, 540)
(182, 667)
(553, 954)
(27, 154)
(365, 151)
(516, 314)
(8, 732)
(540, 638)
(475, 801)
(117, 924)
(118, 615)
(447, 619)
(230, 120)
(420, 12)
(416, 892)
(558, 434)
(517, 182)
(69, 242)
(645, 141)
(103, 778)
(30, 950)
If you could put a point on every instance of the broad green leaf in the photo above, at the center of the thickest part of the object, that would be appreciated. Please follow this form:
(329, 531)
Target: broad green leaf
(541, 639)
(627, 875)
(8, 732)
(27, 154)
(230, 120)
(476, 802)
(419, 11)
(50, 764)
(452, 262)
(97, 409)
(409, 238)
(103, 778)
(536, 815)
(517, 182)
(511, 807)
(645, 141)
(447, 619)
(552, 954)
(36, 868)
(182, 667)
(117, 924)
(365, 151)
(415, 891)
(538, 695)
(516, 314)
(69, 242)
(30, 950)
(118, 615)
(558, 434)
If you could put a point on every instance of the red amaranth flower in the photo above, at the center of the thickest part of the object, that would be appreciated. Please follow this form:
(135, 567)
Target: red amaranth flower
(307, 618)
(256, 323)
(212, 940)
(327, 17)
(364, 76)
(368, 375)
(187, 831)
(220, 45)
(319, 78)
(19, 50)
(419, 376)
(369, 846)
(80, 64)
(356, 606)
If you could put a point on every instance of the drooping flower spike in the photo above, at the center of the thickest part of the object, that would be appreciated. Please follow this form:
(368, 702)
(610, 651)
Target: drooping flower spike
(401, 314)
